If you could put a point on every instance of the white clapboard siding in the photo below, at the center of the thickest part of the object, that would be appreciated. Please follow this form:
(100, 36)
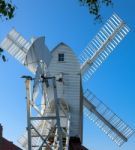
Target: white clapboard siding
(69, 90)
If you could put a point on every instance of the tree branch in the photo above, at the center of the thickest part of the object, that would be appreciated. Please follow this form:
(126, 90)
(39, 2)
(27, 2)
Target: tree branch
(95, 5)
(7, 9)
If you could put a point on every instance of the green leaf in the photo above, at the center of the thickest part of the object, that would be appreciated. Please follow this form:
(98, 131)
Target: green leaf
(7, 9)
(4, 58)
(1, 50)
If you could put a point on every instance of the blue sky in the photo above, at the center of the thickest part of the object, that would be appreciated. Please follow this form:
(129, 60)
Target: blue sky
(67, 21)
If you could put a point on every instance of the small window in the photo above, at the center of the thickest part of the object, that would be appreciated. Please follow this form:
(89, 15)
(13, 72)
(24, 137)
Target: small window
(61, 57)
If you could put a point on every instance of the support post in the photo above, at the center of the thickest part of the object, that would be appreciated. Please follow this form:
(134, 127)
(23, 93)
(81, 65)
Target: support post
(68, 132)
(27, 82)
(57, 106)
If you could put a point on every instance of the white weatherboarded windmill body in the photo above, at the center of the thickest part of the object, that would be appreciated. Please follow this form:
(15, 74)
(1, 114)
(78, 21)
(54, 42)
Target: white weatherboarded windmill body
(55, 114)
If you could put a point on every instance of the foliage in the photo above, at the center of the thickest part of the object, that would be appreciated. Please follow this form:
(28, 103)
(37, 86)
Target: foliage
(95, 5)
(6, 9)
(2, 56)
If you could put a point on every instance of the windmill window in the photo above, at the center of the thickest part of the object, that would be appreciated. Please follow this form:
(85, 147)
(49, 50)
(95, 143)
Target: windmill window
(61, 57)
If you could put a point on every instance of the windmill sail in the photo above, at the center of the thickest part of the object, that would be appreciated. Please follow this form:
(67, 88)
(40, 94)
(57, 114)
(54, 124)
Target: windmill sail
(106, 120)
(27, 53)
(37, 53)
(102, 45)
(16, 45)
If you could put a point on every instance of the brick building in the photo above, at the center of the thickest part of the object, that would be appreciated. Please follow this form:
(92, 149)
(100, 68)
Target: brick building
(5, 144)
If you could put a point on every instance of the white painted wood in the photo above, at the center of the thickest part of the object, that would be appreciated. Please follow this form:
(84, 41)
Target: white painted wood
(69, 90)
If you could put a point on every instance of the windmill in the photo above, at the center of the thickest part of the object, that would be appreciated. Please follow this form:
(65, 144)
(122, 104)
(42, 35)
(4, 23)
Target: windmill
(56, 102)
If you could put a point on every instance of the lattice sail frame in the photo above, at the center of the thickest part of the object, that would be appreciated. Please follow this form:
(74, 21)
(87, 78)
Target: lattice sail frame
(102, 45)
(16, 45)
(114, 127)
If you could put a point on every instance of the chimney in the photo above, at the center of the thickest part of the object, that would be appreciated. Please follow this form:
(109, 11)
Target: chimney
(1, 130)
